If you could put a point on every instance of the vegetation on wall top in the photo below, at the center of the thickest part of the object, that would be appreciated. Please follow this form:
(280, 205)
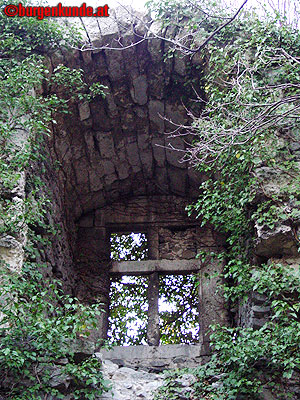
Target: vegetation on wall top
(243, 143)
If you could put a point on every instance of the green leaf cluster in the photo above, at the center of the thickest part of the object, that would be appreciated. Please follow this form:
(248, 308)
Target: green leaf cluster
(40, 327)
(241, 147)
(39, 340)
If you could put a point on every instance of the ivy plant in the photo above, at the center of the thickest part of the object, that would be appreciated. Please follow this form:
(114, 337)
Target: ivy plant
(242, 146)
(40, 326)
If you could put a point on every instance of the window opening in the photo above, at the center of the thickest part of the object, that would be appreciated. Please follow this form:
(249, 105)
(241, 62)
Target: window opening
(178, 300)
(128, 294)
(128, 247)
(128, 311)
(178, 309)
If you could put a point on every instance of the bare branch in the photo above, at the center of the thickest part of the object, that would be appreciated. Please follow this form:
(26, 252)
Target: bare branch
(178, 43)
(213, 34)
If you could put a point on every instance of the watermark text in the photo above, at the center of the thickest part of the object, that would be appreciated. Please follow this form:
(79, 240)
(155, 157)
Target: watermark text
(18, 10)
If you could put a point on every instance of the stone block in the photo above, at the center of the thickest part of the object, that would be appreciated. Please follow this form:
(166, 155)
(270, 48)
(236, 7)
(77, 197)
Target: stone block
(82, 173)
(146, 267)
(267, 394)
(261, 309)
(257, 323)
(148, 356)
(115, 65)
(133, 154)
(11, 252)
(123, 169)
(271, 242)
(144, 141)
(154, 46)
(258, 298)
(147, 162)
(109, 179)
(176, 115)
(139, 91)
(77, 151)
(84, 111)
(175, 152)
(128, 122)
(57, 58)
(294, 146)
(212, 306)
(157, 78)
(106, 144)
(121, 95)
(87, 57)
(179, 65)
(112, 108)
(109, 168)
(156, 115)
(159, 151)
(100, 117)
(96, 178)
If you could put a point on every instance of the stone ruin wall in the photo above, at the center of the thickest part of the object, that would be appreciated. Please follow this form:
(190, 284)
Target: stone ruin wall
(117, 171)
(115, 147)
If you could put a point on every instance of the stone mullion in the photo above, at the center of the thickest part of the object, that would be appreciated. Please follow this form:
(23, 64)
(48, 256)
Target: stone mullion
(153, 331)
(212, 309)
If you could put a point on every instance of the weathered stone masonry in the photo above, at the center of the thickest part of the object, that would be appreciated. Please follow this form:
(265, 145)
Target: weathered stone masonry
(112, 168)
(119, 173)
(165, 221)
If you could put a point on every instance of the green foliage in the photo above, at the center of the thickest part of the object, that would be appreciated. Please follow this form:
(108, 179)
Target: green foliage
(128, 311)
(38, 339)
(128, 247)
(40, 326)
(178, 310)
(243, 361)
(226, 194)
(179, 317)
(21, 37)
(242, 144)
(128, 295)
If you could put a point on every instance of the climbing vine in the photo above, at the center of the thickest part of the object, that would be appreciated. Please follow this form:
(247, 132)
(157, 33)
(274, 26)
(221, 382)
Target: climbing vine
(39, 340)
(244, 145)
(243, 138)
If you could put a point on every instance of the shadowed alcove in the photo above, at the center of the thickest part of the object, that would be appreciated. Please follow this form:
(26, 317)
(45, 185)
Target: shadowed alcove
(118, 171)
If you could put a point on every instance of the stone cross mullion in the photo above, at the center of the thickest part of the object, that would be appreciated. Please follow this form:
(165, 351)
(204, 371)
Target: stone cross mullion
(153, 331)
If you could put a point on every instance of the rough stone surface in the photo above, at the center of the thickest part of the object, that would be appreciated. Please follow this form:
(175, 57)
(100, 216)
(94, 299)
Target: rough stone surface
(273, 242)
(113, 139)
(11, 252)
(130, 384)
(121, 172)
(178, 239)
(109, 167)
(154, 358)
(84, 111)
(147, 267)
(255, 312)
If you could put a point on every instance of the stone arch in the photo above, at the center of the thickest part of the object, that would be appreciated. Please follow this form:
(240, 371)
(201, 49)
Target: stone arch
(119, 167)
